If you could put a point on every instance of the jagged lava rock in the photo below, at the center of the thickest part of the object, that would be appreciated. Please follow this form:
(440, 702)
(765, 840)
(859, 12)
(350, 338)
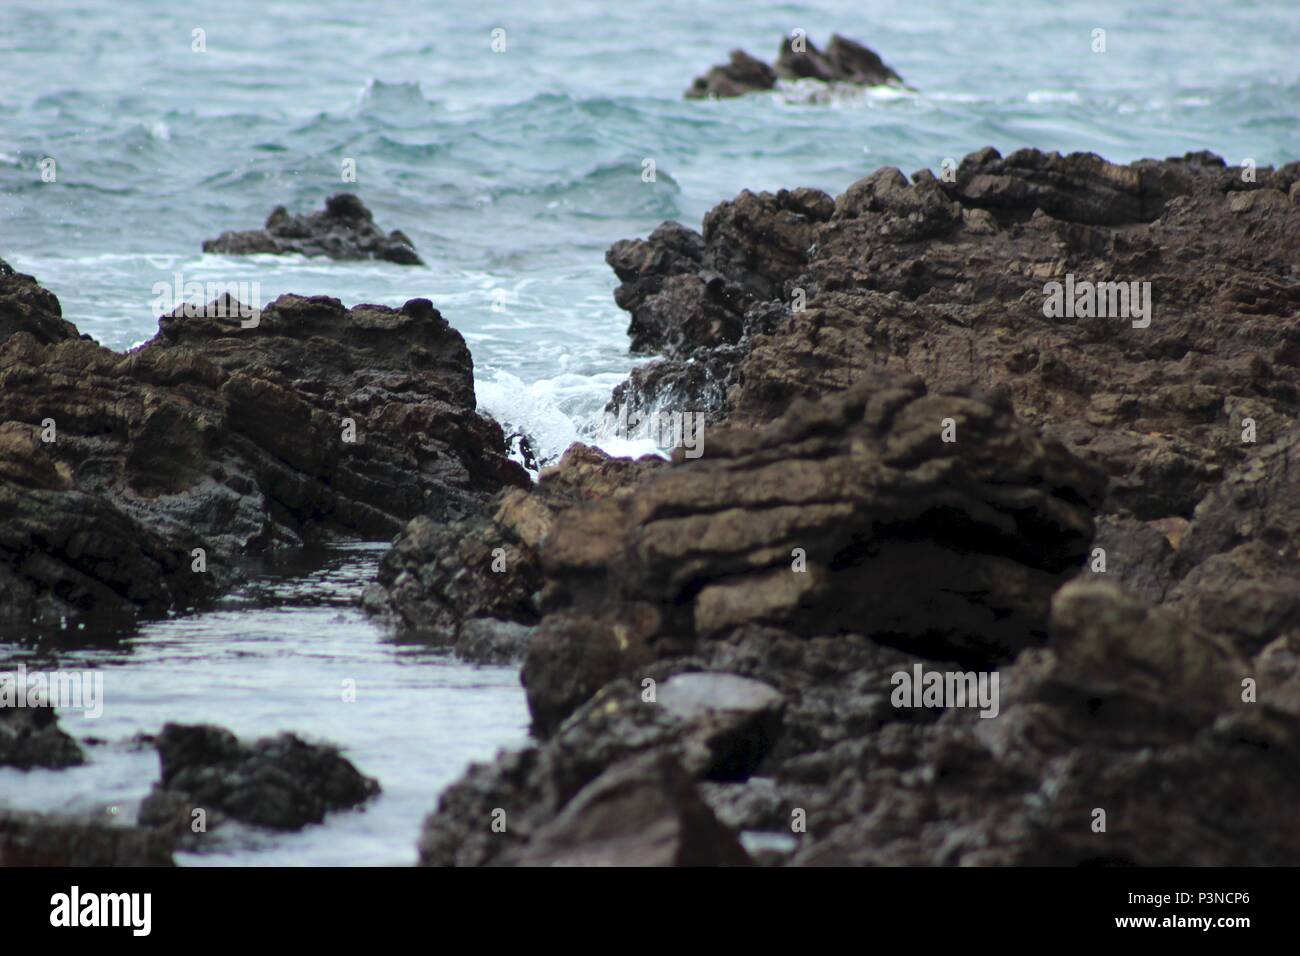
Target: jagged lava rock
(115, 467)
(345, 229)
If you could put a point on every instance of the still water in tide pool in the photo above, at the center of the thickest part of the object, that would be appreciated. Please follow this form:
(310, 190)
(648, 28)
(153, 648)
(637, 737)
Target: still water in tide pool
(279, 655)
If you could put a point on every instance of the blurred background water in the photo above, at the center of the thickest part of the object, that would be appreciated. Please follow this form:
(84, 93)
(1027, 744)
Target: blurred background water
(512, 172)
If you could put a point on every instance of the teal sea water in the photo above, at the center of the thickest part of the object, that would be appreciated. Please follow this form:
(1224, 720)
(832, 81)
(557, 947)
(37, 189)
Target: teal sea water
(512, 172)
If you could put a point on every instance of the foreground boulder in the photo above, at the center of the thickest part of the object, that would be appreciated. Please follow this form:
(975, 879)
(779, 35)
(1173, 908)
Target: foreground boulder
(474, 585)
(345, 229)
(282, 783)
(34, 839)
(130, 482)
(844, 61)
(853, 513)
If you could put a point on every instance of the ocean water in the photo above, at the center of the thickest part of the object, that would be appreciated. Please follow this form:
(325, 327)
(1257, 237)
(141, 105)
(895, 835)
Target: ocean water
(512, 172)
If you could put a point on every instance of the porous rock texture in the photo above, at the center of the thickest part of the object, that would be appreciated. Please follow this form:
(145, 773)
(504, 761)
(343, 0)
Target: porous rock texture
(314, 421)
(344, 229)
(1109, 529)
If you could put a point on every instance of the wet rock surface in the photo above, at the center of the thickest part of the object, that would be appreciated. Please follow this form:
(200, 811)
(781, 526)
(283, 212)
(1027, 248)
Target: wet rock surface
(31, 737)
(225, 434)
(1110, 533)
(281, 783)
(843, 61)
(34, 839)
(344, 229)
(475, 585)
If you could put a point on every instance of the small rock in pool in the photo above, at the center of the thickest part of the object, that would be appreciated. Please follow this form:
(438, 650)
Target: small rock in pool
(282, 782)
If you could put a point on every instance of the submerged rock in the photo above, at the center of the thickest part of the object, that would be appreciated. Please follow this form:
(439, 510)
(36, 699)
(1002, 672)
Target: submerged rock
(345, 229)
(282, 782)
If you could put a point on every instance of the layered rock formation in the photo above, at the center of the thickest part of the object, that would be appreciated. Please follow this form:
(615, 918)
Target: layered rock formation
(918, 464)
(130, 482)
(344, 229)
(844, 61)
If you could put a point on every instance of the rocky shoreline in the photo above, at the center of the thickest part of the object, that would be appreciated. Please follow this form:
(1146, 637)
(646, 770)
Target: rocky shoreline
(911, 465)
(1110, 530)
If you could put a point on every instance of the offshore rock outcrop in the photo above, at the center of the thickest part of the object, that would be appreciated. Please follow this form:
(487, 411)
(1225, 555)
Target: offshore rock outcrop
(281, 783)
(117, 469)
(844, 61)
(1111, 534)
(344, 229)
(31, 737)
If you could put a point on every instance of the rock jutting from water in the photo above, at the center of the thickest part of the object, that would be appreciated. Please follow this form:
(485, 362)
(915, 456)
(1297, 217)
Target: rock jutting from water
(131, 482)
(280, 783)
(844, 61)
(344, 229)
(918, 463)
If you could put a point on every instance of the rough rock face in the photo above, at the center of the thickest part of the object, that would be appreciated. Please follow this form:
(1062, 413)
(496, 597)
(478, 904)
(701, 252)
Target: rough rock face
(946, 280)
(31, 737)
(281, 782)
(33, 839)
(25, 306)
(320, 420)
(1111, 536)
(843, 61)
(474, 585)
(345, 229)
(848, 514)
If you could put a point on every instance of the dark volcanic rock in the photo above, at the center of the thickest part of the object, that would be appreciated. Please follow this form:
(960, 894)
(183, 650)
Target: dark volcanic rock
(947, 280)
(33, 839)
(844, 61)
(345, 229)
(646, 812)
(740, 75)
(474, 585)
(850, 514)
(26, 307)
(657, 751)
(319, 421)
(278, 782)
(31, 737)
(1111, 537)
